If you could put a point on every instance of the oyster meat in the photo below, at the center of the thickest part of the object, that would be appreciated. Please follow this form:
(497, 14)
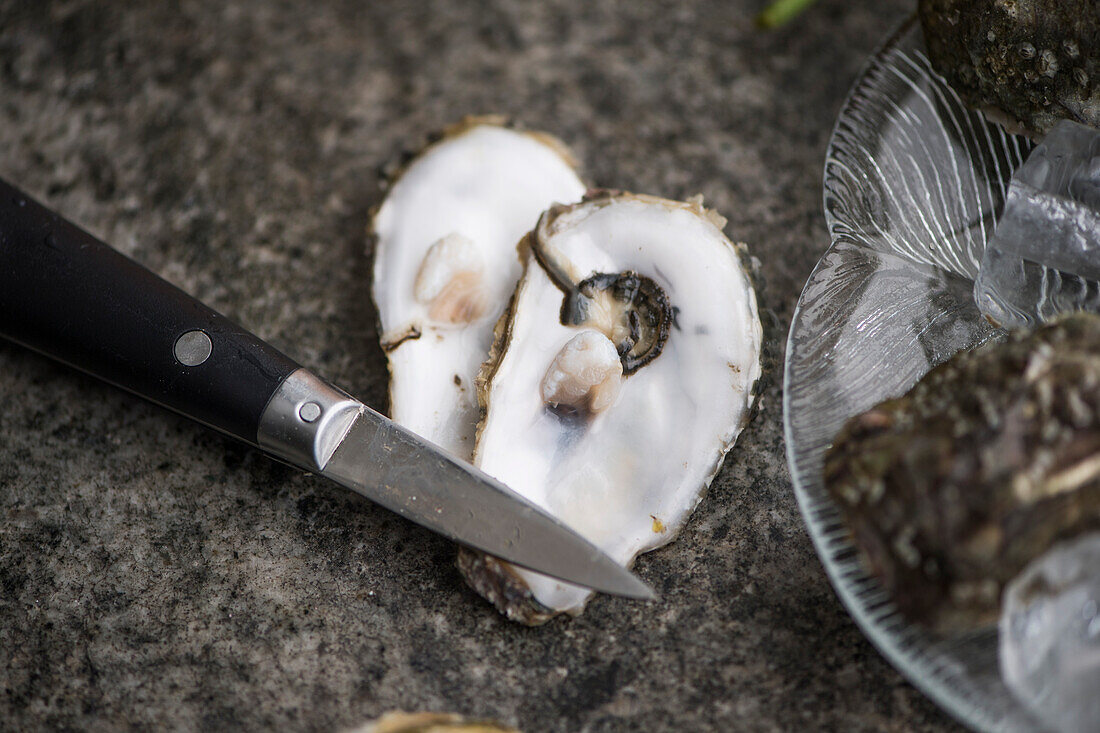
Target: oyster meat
(952, 489)
(622, 372)
(445, 264)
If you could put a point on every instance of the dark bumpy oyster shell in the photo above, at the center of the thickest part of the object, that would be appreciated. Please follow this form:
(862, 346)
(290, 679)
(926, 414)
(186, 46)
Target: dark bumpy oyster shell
(953, 488)
(1028, 63)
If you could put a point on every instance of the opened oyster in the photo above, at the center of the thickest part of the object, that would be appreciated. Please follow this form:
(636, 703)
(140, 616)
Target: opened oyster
(445, 265)
(622, 372)
(953, 488)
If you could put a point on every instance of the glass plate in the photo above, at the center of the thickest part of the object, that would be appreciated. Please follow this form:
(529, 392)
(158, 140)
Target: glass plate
(914, 182)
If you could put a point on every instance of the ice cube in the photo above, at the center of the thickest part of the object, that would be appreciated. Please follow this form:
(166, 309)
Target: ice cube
(1050, 636)
(1044, 257)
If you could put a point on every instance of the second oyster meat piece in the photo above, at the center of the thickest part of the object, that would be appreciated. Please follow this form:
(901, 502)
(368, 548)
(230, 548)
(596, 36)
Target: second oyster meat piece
(951, 489)
(445, 264)
(621, 452)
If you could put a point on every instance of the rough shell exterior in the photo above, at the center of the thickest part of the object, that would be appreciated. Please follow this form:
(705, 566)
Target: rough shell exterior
(1028, 63)
(951, 489)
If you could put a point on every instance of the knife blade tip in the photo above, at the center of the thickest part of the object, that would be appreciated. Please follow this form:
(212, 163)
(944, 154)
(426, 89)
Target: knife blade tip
(620, 581)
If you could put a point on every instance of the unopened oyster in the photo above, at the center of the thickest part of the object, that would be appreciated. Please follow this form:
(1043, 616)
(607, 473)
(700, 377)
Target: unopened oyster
(951, 489)
(622, 372)
(1027, 63)
(445, 264)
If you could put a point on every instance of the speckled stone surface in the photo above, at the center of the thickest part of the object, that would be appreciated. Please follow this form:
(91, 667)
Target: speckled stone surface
(153, 574)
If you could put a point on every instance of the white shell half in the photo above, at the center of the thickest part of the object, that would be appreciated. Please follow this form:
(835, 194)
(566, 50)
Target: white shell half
(446, 264)
(628, 476)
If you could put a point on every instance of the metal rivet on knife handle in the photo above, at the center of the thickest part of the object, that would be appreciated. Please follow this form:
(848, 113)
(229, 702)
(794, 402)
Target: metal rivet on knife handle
(306, 419)
(193, 348)
(309, 412)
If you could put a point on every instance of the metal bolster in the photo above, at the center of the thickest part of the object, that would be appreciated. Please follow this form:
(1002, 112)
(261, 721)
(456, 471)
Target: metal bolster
(306, 420)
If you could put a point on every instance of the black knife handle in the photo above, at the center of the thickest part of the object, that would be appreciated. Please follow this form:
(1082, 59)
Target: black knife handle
(68, 295)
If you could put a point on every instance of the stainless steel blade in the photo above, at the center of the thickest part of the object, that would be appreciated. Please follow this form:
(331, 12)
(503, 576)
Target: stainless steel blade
(321, 428)
(396, 468)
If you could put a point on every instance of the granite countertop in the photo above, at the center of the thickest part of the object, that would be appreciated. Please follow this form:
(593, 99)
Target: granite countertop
(154, 574)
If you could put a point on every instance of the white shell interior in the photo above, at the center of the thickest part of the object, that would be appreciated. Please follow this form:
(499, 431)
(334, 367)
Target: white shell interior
(627, 478)
(487, 184)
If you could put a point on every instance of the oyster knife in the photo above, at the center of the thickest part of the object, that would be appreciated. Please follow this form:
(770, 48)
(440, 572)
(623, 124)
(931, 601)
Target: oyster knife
(71, 297)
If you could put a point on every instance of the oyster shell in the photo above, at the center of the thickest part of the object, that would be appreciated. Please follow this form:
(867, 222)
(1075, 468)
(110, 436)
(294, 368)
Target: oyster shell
(398, 722)
(1027, 63)
(445, 264)
(622, 372)
(951, 489)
